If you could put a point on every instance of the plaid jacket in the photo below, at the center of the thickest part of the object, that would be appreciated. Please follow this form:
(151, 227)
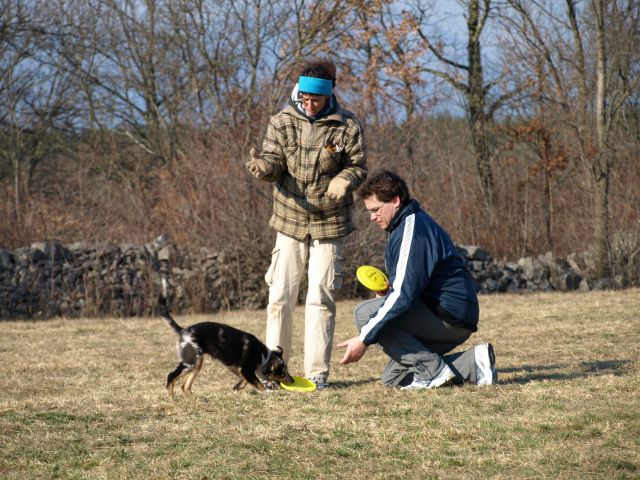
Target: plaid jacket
(305, 157)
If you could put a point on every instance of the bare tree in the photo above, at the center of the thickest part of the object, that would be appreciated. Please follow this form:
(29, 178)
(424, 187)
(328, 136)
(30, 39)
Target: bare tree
(470, 80)
(37, 101)
(616, 25)
(590, 96)
(601, 164)
(382, 60)
(15, 85)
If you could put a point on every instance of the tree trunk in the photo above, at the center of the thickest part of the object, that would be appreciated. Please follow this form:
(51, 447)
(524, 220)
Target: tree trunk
(476, 99)
(602, 161)
(601, 231)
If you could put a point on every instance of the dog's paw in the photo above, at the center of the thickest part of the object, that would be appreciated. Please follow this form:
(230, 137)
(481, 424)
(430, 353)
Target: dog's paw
(240, 385)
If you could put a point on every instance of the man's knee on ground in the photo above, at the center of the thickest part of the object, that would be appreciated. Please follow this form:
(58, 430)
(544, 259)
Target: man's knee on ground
(360, 318)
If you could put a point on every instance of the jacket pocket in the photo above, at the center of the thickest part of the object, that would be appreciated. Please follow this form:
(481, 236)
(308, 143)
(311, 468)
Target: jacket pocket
(330, 159)
(338, 273)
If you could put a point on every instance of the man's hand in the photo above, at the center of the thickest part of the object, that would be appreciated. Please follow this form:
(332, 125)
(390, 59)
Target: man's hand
(382, 293)
(337, 188)
(355, 350)
(258, 167)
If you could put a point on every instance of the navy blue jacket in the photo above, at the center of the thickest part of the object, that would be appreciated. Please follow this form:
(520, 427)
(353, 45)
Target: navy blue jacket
(424, 268)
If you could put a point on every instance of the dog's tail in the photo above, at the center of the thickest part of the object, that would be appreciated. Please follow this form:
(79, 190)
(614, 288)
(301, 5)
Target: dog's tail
(163, 310)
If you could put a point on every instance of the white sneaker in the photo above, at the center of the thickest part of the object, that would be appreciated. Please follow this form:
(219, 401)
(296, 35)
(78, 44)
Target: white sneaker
(445, 377)
(486, 373)
(417, 384)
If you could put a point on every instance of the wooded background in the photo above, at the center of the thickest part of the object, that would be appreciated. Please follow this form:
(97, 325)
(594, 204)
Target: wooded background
(515, 122)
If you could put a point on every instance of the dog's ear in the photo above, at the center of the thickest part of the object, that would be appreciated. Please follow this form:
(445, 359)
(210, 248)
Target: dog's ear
(278, 351)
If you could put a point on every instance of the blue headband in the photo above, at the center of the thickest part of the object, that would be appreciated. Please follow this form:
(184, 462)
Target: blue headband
(317, 86)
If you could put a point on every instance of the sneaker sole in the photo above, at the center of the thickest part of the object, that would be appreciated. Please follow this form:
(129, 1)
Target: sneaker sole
(492, 362)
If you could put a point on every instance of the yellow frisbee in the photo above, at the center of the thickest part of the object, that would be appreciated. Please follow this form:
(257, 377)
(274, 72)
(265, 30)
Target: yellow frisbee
(300, 384)
(372, 278)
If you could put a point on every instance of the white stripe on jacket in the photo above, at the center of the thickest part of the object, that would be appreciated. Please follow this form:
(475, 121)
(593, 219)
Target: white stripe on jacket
(401, 269)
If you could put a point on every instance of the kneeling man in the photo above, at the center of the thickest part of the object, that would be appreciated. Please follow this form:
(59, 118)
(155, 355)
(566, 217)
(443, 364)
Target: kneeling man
(430, 306)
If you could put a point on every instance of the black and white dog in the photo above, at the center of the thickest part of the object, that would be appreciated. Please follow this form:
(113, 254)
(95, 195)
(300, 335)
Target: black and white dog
(239, 351)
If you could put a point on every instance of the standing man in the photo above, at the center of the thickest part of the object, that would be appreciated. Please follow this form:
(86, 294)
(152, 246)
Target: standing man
(430, 306)
(314, 153)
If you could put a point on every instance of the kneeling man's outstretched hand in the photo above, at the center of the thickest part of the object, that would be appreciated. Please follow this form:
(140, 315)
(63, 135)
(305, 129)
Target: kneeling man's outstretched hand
(355, 350)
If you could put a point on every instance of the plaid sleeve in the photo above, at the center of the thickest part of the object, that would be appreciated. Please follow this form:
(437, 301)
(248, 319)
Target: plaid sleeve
(272, 151)
(355, 165)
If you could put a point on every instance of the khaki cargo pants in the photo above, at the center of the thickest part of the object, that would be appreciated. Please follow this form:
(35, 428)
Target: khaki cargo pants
(324, 277)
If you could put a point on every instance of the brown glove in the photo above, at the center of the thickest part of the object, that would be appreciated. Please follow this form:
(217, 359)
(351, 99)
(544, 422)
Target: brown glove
(337, 188)
(258, 167)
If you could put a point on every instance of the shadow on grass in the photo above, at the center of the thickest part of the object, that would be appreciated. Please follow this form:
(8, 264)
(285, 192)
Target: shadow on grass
(354, 383)
(531, 373)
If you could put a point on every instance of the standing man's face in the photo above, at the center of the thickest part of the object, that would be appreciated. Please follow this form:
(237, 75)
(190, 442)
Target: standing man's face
(382, 212)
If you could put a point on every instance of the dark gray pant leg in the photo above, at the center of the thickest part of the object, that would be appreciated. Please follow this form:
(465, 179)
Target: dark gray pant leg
(394, 373)
(464, 364)
(364, 310)
(417, 343)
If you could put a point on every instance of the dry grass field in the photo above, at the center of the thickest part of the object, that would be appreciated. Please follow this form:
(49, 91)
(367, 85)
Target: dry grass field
(85, 399)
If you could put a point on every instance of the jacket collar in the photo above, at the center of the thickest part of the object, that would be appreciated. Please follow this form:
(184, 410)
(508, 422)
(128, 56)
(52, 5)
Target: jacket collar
(407, 209)
(334, 115)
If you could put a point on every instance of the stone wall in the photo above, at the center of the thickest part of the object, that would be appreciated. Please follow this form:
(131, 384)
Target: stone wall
(532, 274)
(50, 279)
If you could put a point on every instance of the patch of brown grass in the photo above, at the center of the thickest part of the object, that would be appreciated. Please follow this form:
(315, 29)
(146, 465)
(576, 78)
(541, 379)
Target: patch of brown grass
(85, 399)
